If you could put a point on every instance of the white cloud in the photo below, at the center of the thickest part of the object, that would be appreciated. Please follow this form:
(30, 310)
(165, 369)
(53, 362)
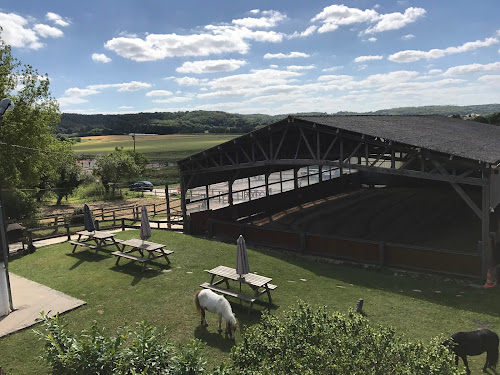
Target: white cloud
(408, 37)
(128, 86)
(396, 21)
(333, 68)
(291, 55)
(159, 93)
(216, 39)
(47, 31)
(274, 66)
(16, 33)
(334, 16)
(125, 107)
(296, 68)
(161, 46)
(71, 100)
(412, 55)
(372, 39)
(57, 19)
(368, 58)
(189, 81)
(434, 71)
(270, 19)
(472, 69)
(100, 57)
(255, 11)
(177, 99)
(309, 31)
(210, 66)
(77, 92)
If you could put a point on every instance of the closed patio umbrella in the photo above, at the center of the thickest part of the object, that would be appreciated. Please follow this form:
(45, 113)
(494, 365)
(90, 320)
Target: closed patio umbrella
(242, 266)
(88, 221)
(145, 227)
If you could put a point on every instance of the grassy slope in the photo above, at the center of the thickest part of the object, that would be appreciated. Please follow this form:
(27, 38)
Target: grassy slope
(166, 147)
(121, 295)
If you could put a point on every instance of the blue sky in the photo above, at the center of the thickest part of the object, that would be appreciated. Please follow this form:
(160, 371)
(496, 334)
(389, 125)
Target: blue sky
(273, 57)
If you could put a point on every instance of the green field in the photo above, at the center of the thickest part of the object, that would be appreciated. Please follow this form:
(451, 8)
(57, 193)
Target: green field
(160, 147)
(417, 306)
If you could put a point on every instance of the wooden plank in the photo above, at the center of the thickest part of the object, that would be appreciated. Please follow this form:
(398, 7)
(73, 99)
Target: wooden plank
(229, 292)
(129, 256)
(84, 244)
(271, 286)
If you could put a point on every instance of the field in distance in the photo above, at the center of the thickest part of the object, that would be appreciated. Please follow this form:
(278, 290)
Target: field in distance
(170, 147)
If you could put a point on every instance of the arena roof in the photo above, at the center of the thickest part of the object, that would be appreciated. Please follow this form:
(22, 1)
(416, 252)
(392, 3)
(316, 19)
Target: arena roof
(468, 139)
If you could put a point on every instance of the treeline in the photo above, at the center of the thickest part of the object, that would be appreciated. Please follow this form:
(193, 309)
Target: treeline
(162, 123)
(221, 122)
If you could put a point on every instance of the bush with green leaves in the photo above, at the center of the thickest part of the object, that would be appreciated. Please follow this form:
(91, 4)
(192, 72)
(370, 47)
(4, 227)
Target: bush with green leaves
(312, 341)
(142, 350)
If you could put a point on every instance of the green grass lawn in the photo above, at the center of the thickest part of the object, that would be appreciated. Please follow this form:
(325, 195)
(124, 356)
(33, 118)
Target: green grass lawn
(161, 147)
(164, 296)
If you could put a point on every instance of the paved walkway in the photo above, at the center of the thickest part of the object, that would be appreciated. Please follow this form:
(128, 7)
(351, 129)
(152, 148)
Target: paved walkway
(29, 299)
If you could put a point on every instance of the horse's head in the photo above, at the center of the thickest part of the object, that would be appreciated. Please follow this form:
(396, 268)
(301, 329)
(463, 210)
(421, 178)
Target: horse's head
(231, 328)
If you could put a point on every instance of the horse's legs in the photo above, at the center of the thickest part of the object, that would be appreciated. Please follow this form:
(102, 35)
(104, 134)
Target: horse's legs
(204, 322)
(220, 323)
(464, 358)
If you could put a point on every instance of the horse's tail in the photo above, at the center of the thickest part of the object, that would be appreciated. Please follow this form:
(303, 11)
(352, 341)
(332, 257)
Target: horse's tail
(197, 301)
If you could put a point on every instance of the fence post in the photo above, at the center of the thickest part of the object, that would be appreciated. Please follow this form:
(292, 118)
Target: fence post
(114, 218)
(56, 224)
(381, 253)
(154, 208)
(123, 224)
(169, 226)
(97, 225)
(67, 231)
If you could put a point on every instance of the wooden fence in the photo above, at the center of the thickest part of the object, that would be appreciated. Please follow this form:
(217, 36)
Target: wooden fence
(371, 252)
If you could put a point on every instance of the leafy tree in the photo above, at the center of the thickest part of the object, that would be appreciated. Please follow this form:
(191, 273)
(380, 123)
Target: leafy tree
(115, 167)
(29, 149)
(308, 341)
(69, 177)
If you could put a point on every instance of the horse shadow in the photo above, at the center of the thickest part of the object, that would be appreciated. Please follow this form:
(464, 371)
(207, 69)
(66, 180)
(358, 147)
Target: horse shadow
(213, 338)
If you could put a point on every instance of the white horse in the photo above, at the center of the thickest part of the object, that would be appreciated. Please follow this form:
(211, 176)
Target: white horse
(207, 300)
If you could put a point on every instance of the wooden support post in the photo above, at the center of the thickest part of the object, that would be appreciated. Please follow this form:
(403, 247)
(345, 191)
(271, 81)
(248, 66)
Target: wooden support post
(230, 192)
(167, 198)
(308, 182)
(320, 176)
(183, 205)
(67, 231)
(249, 190)
(154, 209)
(281, 181)
(207, 197)
(295, 179)
(123, 224)
(266, 183)
(485, 228)
(114, 218)
(56, 224)
(97, 225)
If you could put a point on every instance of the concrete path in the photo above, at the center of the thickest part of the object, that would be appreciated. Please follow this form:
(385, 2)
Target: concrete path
(30, 298)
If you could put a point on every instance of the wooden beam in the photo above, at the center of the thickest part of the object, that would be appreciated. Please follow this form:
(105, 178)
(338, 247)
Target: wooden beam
(261, 149)
(307, 143)
(329, 148)
(281, 143)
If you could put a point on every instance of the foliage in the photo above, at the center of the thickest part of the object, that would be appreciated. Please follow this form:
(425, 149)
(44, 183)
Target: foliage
(308, 341)
(116, 166)
(143, 350)
(163, 123)
(77, 216)
(20, 205)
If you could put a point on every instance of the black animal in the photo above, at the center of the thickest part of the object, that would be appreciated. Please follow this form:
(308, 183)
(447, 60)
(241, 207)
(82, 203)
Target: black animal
(475, 343)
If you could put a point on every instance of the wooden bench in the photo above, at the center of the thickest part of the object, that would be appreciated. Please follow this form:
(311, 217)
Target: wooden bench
(84, 244)
(228, 292)
(271, 286)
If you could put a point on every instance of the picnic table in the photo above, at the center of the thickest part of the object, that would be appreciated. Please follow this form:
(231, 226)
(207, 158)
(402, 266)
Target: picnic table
(101, 240)
(154, 250)
(259, 284)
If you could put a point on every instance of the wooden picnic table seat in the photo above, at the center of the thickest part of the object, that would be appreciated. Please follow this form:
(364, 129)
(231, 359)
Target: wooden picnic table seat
(129, 256)
(229, 292)
(84, 244)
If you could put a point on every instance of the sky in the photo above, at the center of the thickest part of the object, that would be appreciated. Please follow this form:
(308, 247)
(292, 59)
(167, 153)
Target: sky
(258, 56)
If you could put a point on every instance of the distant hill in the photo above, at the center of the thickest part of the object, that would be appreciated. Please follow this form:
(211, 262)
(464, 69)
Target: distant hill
(221, 122)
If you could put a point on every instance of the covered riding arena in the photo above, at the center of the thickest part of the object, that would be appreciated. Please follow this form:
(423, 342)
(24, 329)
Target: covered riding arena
(416, 192)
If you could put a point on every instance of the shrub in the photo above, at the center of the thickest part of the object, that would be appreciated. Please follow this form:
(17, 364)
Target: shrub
(316, 342)
(143, 350)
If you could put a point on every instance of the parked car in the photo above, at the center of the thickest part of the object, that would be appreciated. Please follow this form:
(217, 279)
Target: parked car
(141, 186)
